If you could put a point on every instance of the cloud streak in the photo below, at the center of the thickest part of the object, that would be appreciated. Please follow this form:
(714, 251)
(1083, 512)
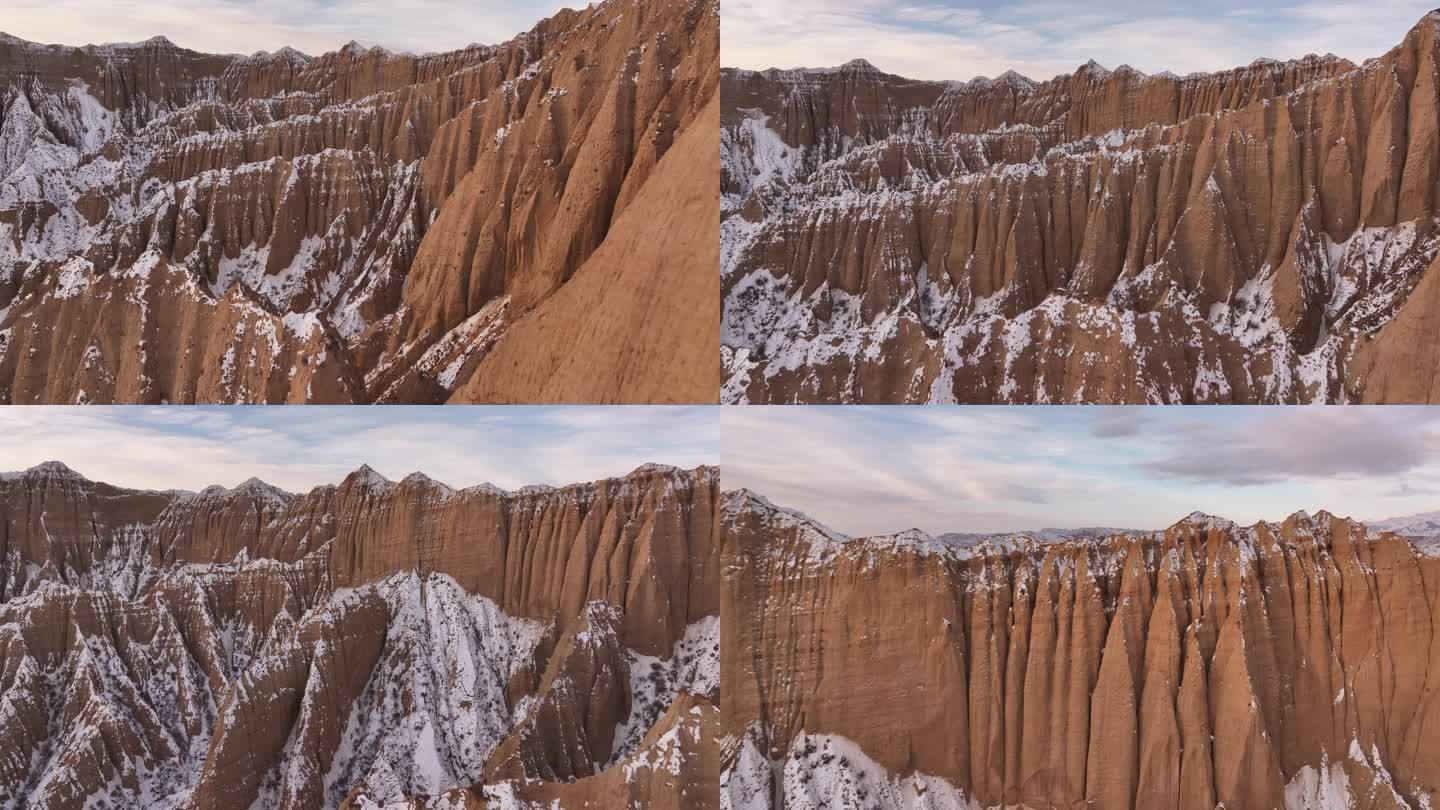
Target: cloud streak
(1305, 444)
(871, 470)
(1041, 38)
(981, 469)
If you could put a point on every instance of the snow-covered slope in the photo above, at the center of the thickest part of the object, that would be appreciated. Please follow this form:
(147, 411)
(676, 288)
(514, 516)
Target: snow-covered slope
(1103, 236)
(358, 226)
(1424, 524)
(142, 665)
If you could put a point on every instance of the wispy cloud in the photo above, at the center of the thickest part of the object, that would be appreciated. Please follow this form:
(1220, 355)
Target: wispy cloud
(245, 26)
(1042, 38)
(872, 470)
(1319, 444)
(298, 448)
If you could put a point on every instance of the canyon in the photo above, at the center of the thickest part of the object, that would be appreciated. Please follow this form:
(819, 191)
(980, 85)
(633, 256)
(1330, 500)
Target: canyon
(525, 222)
(370, 644)
(1259, 235)
(1291, 664)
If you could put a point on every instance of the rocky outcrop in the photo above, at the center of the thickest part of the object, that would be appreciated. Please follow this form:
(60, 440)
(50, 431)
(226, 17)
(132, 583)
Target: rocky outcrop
(1264, 234)
(1283, 665)
(646, 541)
(371, 643)
(360, 226)
(676, 766)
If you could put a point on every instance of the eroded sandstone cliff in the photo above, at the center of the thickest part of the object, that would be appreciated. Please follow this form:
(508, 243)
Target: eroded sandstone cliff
(1265, 234)
(363, 226)
(371, 644)
(1283, 665)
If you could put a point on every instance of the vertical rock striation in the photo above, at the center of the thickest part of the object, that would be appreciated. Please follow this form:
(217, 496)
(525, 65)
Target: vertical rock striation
(360, 226)
(371, 643)
(1264, 234)
(1283, 665)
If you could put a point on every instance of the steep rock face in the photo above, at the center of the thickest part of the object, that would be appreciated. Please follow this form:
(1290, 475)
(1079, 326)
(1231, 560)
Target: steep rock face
(1288, 665)
(248, 647)
(1259, 235)
(356, 227)
(647, 543)
(635, 287)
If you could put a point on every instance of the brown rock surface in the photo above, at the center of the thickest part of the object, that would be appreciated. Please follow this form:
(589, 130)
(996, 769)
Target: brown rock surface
(1263, 234)
(1288, 665)
(367, 643)
(675, 766)
(360, 226)
(560, 354)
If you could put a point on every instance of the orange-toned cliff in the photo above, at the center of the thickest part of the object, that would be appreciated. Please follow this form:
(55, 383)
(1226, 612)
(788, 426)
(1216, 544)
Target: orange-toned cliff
(374, 643)
(1264, 234)
(362, 226)
(1285, 665)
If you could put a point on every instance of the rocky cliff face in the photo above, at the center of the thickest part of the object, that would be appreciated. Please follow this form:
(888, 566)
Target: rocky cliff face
(361, 226)
(371, 644)
(1283, 665)
(1265, 234)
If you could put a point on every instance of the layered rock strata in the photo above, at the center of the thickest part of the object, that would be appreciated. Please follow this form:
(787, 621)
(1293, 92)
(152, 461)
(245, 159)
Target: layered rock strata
(363, 226)
(371, 644)
(1282, 665)
(1265, 234)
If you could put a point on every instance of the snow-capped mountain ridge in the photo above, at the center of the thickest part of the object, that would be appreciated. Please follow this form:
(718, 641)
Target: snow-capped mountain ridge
(363, 476)
(354, 650)
(358, 172)
(1074, 240)
(744, 503)
(1420, 524)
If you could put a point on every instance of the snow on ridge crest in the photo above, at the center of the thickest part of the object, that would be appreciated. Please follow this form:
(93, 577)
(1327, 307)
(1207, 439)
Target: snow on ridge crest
(366, 477)
(824, 543)
(50, 471)
(746, 500)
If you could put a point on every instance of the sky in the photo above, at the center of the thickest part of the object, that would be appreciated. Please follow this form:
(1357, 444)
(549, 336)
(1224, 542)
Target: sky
(246, 26)
(962, 39)
(297, 448)
(864, 471)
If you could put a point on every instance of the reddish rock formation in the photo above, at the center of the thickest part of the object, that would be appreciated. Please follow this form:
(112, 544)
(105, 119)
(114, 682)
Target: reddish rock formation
(1264, 234)
(362, 226)
(372, 643)
(1284, 665)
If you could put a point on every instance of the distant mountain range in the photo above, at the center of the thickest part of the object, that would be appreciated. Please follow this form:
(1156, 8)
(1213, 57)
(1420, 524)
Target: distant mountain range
(1425, 524)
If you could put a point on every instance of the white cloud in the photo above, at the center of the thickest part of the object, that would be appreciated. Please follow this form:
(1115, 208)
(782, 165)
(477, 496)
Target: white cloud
(245, 26)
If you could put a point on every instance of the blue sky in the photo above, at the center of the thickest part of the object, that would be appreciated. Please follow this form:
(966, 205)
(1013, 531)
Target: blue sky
(299, 447)
(1042, 38)
(245, 26)
(880, 470)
